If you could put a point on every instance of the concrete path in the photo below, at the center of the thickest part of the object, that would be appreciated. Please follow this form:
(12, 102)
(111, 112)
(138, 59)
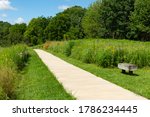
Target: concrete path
(82, 84)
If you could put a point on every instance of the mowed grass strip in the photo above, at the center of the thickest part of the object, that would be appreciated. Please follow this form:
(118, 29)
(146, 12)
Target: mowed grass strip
(38, 83)
(138, 83)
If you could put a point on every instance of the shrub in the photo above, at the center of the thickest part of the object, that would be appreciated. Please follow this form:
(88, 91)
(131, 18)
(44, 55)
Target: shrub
(77, 52)
(22, 59)
(46, 45)
(15, 56)
(110, 56)
(88, 55)
(139, 57)
(56, 46)
(7, 82)
(2, 94)
(68, 47)
(106, 58)
(12, 60)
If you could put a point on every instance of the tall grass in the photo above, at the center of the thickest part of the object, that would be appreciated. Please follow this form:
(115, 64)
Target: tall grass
(8, 77)
(12, 60)
(105, 52)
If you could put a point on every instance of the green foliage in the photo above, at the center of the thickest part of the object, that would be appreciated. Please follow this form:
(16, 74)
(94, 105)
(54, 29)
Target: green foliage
(35, 31)
(140, 21)
(2, 94)
(87, 55)
(110, 56)
(58, 26)
(117, 19)
(15, 56)
(4, 31)
(66, 25)
(12, 60)
(11, 34)
(8, 77)
(108, 18)
(68, 48)
(117, 23)
(107, 53)
(16, 33)
(22, 58)
(91, 21)
(138, 83)
(38, 83)
(76, 14)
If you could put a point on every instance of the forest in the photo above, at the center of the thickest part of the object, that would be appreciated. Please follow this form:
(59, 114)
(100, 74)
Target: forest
(116, 19)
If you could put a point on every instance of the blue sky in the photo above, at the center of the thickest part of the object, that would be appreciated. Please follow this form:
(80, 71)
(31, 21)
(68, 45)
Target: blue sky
(18, 11)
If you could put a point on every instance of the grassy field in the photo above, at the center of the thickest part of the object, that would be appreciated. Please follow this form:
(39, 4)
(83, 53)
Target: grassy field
(23, 76)
(39, 84)
(12, 61)
(104, 52)
(74, 54)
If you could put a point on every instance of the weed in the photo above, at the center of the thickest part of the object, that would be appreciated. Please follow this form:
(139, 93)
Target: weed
(8, 77)
(68, 47)
(106, 52)
(12, 61)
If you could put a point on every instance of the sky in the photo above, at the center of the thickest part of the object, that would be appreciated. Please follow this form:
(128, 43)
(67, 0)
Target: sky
(22, 11)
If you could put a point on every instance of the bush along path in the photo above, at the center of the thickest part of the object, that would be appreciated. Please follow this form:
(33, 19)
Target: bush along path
(82, 84)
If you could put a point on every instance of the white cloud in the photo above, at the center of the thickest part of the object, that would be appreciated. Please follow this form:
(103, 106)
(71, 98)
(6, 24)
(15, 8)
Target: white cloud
(63, 7)
(20, 20)
(6, 5)
(3, 15)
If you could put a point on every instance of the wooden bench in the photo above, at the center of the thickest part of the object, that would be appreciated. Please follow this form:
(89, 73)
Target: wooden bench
(127, 67)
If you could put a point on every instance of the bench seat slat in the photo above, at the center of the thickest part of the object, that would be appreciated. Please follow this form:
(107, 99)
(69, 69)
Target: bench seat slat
(127, 66)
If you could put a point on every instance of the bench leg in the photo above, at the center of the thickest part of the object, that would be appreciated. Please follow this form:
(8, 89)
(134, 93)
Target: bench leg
(131, 72)
(123, 71)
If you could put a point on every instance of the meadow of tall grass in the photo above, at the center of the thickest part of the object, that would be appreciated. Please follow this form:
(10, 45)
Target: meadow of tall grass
(103, 55)
(104, 52)
(12, 60)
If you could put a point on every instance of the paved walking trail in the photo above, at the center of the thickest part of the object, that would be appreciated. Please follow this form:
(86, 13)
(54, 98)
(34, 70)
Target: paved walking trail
(82, 84)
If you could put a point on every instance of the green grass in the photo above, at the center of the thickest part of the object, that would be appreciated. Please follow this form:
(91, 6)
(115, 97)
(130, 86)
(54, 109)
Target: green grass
(38, 83)
(100, 57)
(105, 52)
(138, 83)
(12, 61)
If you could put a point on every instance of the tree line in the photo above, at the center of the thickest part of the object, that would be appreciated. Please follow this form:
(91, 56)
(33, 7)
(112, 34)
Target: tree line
(123, 19)
(117, 19)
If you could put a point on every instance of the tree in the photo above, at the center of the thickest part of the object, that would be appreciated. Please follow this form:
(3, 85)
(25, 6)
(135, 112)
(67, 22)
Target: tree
(140, 21)
(118, 24)
(108, 18)
(91, 21)
(66, 25)
(35, 31)
(4, 31)
(58, 26)
(76, 15)
(16, 33)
